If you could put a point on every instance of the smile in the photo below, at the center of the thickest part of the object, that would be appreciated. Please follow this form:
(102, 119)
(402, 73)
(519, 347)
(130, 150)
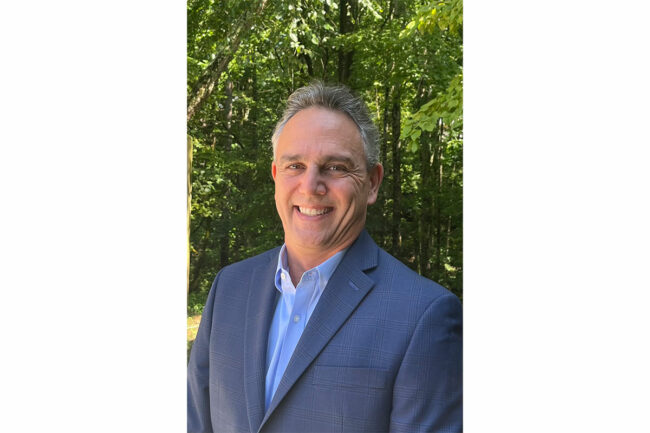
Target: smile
(314, 212)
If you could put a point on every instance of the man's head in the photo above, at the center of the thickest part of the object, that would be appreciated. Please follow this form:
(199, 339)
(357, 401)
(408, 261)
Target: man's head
(336, 98)
(325, 172)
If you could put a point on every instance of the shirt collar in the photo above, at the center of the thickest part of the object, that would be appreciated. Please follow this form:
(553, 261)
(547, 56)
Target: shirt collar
(324, 270)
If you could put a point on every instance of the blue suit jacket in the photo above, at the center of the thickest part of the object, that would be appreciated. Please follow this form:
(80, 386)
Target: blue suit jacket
(381, 352)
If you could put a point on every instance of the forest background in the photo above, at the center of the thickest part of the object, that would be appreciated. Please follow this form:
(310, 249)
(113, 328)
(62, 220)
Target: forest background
(404, 57)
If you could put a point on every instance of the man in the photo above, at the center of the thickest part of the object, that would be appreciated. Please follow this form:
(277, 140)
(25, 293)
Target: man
(328, 333)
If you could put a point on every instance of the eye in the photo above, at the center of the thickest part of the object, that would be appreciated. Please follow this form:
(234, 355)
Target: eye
(294, 166)
(336, 167)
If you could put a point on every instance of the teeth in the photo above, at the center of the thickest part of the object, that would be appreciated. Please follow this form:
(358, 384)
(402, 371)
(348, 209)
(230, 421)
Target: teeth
(312, 212)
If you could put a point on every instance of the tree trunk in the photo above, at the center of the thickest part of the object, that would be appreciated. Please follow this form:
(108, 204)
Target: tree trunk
(201, 259)
(254, 111)
(190, 149)
(345, 56)
(384, 192)
(224, 243)
(436, 205)
(426, 198)
(228, 110)
(223, 229)
(397, 191)
(210, 77)
(384, 144)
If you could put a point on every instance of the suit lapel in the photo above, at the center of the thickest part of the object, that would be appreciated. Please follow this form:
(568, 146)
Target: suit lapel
(262, 298)
(345, 290)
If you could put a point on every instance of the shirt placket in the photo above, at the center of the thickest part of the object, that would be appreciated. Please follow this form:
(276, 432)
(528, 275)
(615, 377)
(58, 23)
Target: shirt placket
(297, 320)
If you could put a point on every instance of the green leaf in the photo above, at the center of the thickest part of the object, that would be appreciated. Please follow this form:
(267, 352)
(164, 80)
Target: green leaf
(429, 125)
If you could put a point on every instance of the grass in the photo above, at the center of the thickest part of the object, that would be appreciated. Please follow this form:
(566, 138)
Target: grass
(192, 329)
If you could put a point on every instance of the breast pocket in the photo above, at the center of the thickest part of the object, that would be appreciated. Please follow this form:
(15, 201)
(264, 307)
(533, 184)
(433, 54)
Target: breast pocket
(353, 399)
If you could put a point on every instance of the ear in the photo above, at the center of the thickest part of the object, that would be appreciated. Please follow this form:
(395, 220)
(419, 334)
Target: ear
(376, 175)
(274, 170)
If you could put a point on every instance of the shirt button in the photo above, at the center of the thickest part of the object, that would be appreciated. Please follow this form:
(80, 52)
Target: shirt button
(283, 276)
(296, 318)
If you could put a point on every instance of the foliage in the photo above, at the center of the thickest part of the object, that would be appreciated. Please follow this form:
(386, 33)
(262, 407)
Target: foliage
(446, 15)
(404, 58)
(447, 108)
(195, 303)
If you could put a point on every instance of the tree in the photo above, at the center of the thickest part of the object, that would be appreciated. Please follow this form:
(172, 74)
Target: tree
(404, 59)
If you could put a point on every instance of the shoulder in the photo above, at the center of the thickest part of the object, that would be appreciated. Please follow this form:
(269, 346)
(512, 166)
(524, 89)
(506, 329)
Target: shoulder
(240, 275)
(393, 276)
(393, 280)
(244, 267)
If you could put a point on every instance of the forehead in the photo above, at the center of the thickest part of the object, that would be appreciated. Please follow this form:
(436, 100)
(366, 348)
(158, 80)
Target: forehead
(320, 130)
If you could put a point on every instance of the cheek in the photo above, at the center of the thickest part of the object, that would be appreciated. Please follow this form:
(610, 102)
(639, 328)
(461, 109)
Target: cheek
(357, 189)
(351, 194)
(278, 195)
(282, 191)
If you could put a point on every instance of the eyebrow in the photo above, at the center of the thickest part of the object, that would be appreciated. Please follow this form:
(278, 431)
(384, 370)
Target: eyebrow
(336, 158)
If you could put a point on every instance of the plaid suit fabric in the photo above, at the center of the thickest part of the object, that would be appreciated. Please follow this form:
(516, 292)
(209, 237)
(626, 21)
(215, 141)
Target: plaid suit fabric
(381, 352)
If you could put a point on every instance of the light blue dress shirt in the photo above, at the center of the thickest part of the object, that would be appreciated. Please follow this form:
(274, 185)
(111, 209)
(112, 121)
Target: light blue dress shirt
(292, 314)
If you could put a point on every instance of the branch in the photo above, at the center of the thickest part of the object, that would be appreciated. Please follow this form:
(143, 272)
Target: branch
(210, 77)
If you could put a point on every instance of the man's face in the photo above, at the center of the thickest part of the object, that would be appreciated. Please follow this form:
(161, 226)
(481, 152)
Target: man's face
(322, 185)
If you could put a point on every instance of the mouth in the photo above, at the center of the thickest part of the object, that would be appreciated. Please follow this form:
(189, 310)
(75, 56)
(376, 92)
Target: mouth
(310, 211)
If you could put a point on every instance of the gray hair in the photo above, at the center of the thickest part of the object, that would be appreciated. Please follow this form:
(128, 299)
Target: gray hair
(336, 98)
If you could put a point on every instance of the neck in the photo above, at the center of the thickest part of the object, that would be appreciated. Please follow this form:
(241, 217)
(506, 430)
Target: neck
(301, 260)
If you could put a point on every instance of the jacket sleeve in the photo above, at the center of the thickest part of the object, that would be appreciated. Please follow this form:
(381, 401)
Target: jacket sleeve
(198, 371)
(428, 390)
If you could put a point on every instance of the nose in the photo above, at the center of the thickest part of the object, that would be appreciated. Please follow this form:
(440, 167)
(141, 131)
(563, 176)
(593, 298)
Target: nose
(313, 182)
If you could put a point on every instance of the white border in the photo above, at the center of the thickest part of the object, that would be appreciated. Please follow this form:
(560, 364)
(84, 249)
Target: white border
(93, 227)
(556, 217)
